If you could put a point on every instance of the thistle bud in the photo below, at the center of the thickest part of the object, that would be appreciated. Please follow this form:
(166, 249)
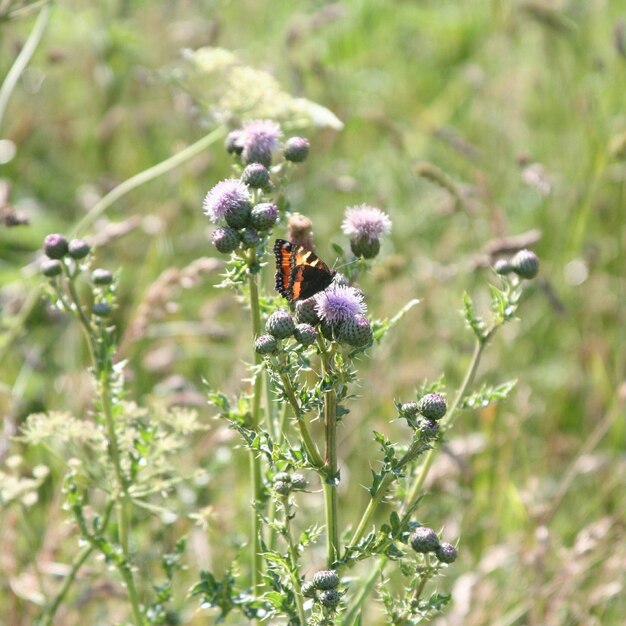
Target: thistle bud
(325, 579)
(102, 277)
(51, 268)
(78, 249)
(424, 540)
(55, 246)
(296, 149)
(432, 406)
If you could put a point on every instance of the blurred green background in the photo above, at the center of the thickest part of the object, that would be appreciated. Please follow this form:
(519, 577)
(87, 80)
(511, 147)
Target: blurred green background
(521, 104)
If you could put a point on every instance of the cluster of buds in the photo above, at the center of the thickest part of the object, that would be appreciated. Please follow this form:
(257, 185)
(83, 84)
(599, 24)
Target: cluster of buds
(285, 483)
(323, 588)
(431, 407)
(424, 540)
(57, 250)
(525, 264)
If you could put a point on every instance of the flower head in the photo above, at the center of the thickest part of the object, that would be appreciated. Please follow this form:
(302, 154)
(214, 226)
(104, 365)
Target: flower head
(259, 139)
(338, 303)
(365, 222)
(228, 196)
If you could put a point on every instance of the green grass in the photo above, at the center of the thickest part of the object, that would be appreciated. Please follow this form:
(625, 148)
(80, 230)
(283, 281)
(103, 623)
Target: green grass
(472, 87)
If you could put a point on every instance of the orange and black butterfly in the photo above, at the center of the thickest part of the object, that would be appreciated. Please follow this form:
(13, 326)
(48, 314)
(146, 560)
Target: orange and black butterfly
(300, 273)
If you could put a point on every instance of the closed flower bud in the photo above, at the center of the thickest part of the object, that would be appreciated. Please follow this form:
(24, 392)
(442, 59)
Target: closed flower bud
(296, 149)
(225, 239)
(309, 590)
(446, 553)
(55, 246)
(282, 476)
(102, 277)
(282, 488)
(409, 409)
(356, 331)
(237, 216)
(365, 247)
(51, 268)
(264, 216)
(233, 142)
(330, 598)
(525, 264)
(502, 267)
(298, 481)
(256, 175)
(432, 406)
(325, 579)
(306, 313)
(101, 309)
(266, 344)
(329, 330)
(424, 540)
(249, 237)
(280, 324)
(78, 249)
(429, 429)
(305, 334)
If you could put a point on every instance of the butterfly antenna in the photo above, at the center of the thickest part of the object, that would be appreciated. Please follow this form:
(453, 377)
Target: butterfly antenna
(338, 267)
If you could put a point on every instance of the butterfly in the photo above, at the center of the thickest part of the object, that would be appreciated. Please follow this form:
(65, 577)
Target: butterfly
(300, 273)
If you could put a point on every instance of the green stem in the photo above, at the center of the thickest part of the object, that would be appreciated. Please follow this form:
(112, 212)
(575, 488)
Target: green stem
(330, 467)
(293, 561)
(256, 480)
(23, 58)
(146, 176)
(351, 615)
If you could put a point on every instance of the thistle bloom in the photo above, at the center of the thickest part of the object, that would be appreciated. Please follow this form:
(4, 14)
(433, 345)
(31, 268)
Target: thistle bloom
(259, 139)
(226, 197)
(339, 303)
(365, 222)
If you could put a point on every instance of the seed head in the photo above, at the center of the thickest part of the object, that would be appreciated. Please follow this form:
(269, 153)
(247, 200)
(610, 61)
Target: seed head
(356, 331)
(300, 230)
(525, 264)
(51, 267)
(305, 334)
(280, 324)
(446, 553)
(296, 149)
(424, 540)
(266, 344)
(325, 579)
(230, 200)
(365, 222)
(264, 216)
(225, 239)
(338, 303)
(256, 175)
(432, 406)
(78, 249)
(55, 246)
(259, 139)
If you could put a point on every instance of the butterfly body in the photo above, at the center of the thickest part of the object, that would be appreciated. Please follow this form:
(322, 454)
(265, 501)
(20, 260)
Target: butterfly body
(300, 273)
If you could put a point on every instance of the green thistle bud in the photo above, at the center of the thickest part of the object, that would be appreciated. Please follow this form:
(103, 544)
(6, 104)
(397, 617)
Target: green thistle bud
(233, 142)
(306, 312)
(264, 215)
(101, 309)
(355, 331)
(309, 590)
(432, 406)
(282, 488)
(78, 249)
(225, 239)
(296, 149)
(429, 429)
(280, 324)
(255, 175)
(102, 277)
(238, 214)
(525, 264)
(330, 598)
(249, 238)
(325, 579)
(55, 246)
(305, 334)
(51, 268)
(409, 409)
(424, 539)
(329, 330)
(299, 482)
(282, 476)
(266, 344)
(446, 553)
(502, 267)
(365, 246)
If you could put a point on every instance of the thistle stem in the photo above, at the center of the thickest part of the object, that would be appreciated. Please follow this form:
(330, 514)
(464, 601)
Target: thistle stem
(293, 562)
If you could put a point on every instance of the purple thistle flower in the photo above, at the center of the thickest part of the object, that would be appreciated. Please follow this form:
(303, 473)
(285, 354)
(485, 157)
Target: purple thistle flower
(227, 196)
(259, 139)
(338, 303)
(365, 222)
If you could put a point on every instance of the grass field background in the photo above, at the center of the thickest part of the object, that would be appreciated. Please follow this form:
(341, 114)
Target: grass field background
(521, 104)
